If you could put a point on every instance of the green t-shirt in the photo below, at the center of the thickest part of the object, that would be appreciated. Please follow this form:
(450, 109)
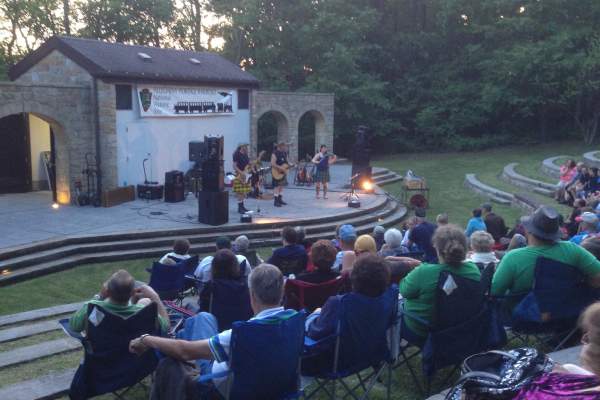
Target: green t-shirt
(515, 272)
(79, 319)
(419, 287)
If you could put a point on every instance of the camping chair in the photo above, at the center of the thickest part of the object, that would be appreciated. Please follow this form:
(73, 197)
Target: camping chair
(177, 316)
(264, 359)
(359, 344)
(487, 273)
(463, 324)
(229, 301)
(549, 312)
(169, 280)
(305, 295)
(108, 366)
(294, 265)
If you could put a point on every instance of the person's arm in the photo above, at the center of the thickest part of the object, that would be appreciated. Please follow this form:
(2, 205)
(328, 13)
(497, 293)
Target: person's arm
(315, 159)
(183, 350)
(77, 321)
(325, 324)
(502, 279)
(348, 261)
(470, 227)
(332, 159)
(410, 285)
(274, 163)
(147, 291)
(411, 262)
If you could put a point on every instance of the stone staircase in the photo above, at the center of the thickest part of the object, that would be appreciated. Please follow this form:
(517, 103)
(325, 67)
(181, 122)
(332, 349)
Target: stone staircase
(513, 177)
(383, 176)
(493, 194)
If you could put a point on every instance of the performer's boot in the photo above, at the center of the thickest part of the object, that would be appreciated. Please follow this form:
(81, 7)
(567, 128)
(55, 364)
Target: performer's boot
(283, 203)
(276, 202)
(241, 208)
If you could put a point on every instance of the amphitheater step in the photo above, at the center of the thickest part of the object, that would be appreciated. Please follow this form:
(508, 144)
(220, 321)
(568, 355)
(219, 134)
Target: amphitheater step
(513, 177)
(495, 195)
(33, 315)
(24, 331)
(550, 168)
(391, 180)
(591, 159)
(36, 351)
(45, 387)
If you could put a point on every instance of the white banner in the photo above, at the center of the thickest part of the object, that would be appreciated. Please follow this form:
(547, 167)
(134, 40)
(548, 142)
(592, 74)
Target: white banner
(171, 101)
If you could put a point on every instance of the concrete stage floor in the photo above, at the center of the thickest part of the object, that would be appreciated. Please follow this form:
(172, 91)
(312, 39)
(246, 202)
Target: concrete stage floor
(28, 217)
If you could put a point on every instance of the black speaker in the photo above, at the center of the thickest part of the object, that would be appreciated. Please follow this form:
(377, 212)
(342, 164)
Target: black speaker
(213, 176)
(214, 148)
(150, 191)
(196, 151)
(213, 207)
(174, 187)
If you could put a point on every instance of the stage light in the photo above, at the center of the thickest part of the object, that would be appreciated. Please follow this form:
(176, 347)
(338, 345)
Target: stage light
(55, 206)
(5, 272)
(367, 185)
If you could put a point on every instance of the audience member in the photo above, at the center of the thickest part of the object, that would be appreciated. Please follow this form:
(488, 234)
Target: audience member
(442, 219)
(515, 272)
(336, 240)
(344, 259)
(418, 288)
(378, 235)
(567, 172)
(482, 244)
(365, 244)
(592, 244)
(179, 253)
(494, 223)
(203, 271)
(211, 348)
(588, 225)
(323, 256)
(241, 246)
(421, 235)
(291, 252)
(120, 296)
(224, 266)
(407, 229)
(475, 223)
(393, 243)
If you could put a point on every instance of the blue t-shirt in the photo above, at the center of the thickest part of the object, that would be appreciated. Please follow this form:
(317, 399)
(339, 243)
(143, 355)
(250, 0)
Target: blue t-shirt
(289, 252)
(475, 224)
(421, 235)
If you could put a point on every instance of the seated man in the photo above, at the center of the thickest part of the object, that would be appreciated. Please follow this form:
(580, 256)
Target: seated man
(203, 270)
(588, 226)
(323, 255)
(291, 252)
(179, 253)
(494, 223)
(211, 347)
(120, 296)
(515, 272)
(345, 258)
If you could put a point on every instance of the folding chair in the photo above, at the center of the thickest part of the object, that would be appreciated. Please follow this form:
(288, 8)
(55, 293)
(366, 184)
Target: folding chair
(264, 359)
(229, 302)
(177, 316)
(463, 324)
(549, 312)
(293, 265)
(108, 366)
(487, 274)
(169, 280)
(305, 295)
(360, 343)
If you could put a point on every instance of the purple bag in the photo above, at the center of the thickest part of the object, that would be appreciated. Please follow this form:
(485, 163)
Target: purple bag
(562, 386)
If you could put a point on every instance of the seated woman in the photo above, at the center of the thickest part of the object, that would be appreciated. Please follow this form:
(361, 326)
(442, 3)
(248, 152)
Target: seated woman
(571, 381)
(322, 254)
(393, 243)
(365, 244)
(481, 249)
(179, 253)
(419, 286)
(224, 265)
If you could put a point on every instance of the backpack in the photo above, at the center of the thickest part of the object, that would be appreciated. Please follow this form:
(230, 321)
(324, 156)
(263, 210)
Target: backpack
(499, 374)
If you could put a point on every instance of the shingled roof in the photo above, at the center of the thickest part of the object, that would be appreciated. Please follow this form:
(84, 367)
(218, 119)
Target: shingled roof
(118, 61)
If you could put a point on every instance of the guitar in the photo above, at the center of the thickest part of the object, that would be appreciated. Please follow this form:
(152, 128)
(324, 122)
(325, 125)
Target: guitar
(244, 175)
(277, 174)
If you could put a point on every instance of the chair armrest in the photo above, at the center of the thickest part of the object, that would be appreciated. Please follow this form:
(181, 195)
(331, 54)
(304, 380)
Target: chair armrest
(209, 377)
(149, 270)
(410, 315)
(64, 324)
(192, 278)
(312, 346)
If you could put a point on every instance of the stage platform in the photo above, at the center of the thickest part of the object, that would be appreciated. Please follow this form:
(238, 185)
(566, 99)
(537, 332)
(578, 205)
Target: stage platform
(36, 239)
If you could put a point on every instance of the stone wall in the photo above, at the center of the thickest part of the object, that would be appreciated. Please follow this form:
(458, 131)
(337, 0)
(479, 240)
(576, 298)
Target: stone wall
(55, 68)
(107, 114)
(288, 108)
(67, 108)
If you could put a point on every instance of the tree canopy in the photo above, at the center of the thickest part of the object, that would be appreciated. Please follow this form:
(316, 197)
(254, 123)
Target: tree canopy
(442, 74)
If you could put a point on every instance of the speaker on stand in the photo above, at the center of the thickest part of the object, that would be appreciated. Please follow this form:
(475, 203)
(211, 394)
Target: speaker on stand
(174, 187)
(213, 200)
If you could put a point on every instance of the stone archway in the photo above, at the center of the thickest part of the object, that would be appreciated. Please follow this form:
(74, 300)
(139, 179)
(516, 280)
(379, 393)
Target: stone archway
(321, 133)
(274, 120)
(291, 106)
(68, 111)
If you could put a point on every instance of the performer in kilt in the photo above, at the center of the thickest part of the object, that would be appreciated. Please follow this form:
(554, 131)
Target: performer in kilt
(279, 166)
(240, 185)
(322, 160)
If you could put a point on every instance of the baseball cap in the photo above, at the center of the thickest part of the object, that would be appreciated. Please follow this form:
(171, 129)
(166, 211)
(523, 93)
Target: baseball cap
(347, 233)
(587, 217)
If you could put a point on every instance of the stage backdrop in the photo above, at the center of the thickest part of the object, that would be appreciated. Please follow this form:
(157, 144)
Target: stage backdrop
(171, 101)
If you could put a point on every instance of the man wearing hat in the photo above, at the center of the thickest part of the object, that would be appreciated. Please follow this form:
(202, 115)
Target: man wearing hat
(345, 258)
(588, 225)
(515, 273)
(278, 161)
(240, 185)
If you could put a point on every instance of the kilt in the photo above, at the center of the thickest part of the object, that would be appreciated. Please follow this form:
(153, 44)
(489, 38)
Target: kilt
(321, 175)
(279, 182)
(240, 187)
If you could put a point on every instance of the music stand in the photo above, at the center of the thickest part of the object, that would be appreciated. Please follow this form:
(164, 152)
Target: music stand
(351, 194)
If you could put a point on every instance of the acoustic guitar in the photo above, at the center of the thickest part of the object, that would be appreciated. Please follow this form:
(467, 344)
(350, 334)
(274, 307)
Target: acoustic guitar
(279, 175)
(244, 175)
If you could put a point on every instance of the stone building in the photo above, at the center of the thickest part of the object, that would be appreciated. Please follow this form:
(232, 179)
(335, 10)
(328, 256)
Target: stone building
(116, 105)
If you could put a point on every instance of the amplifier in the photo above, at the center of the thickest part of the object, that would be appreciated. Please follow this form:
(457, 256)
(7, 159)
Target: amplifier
(150, 191)
(213, 207)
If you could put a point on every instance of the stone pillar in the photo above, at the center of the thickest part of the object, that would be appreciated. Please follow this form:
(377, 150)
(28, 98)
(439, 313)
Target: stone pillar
(108, 134)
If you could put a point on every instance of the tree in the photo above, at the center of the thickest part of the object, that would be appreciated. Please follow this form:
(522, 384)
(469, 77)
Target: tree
(187, 28)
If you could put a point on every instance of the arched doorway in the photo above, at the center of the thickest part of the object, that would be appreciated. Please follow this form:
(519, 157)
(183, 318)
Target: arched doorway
(28, 154)
(272, 128)
(311, 133)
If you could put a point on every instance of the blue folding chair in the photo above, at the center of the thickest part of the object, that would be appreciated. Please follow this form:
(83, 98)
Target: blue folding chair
(549, 312)
(108, 366)
(464, 323)
(169, 280)
(264, 359)
(360, 343)
(229, 302)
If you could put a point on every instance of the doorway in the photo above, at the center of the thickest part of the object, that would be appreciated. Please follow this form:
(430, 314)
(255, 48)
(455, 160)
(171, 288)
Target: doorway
(15, 160)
